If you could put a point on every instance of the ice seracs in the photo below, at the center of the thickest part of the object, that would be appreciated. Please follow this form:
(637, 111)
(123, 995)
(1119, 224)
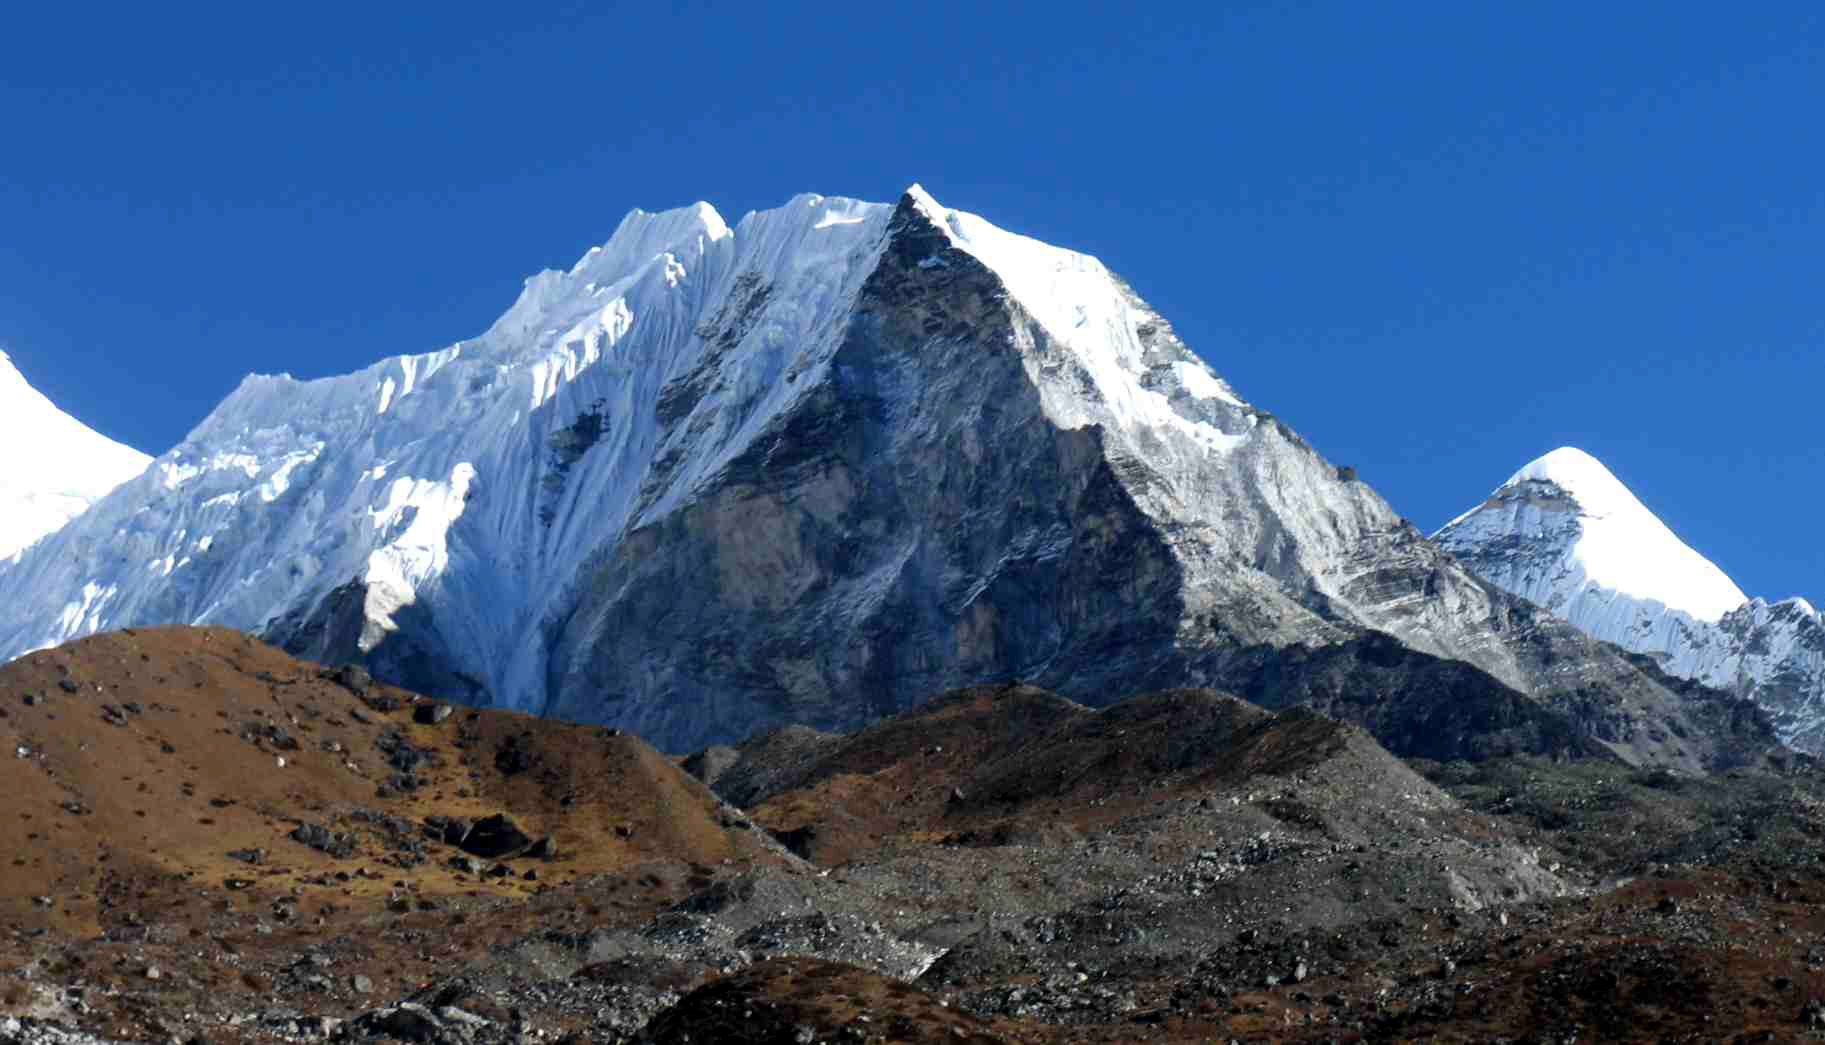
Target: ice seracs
(1564, 532)
(52, 466)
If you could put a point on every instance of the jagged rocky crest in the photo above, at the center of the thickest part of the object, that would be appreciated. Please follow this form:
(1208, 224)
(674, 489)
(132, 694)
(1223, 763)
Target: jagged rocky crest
(1565, 533)
(813, 468)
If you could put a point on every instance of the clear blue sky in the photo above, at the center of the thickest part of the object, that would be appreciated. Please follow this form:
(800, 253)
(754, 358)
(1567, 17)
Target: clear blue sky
(1437, 238)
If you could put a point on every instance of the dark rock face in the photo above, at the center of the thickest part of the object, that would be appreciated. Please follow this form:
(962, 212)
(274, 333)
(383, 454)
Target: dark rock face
(1417, 705)
(919, 521)
(335, 630)
(848, 554)
(1604, 704)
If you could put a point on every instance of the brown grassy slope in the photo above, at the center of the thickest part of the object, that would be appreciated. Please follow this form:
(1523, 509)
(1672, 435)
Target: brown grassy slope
(897, 776)
(134, 762)
(1191, 737)
(983, 762)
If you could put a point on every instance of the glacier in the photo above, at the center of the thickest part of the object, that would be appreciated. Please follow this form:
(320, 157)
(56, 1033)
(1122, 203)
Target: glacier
(41, 491)
(1565, 533)
(815, 466)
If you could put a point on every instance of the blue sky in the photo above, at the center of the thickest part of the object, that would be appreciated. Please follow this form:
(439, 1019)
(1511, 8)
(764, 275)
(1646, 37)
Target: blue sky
(1438, 239)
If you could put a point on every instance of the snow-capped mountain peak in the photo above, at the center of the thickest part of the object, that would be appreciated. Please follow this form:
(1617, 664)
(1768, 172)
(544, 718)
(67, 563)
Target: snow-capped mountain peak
(1621, 545)
(52, 466)
(1565, 533)
(809, 467)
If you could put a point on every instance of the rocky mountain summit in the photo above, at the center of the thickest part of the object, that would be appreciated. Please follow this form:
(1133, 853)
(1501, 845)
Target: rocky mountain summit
(809, 468)
(52, 466)
(1566, 534)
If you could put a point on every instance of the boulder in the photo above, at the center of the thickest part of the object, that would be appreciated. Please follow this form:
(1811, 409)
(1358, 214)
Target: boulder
(495, 837)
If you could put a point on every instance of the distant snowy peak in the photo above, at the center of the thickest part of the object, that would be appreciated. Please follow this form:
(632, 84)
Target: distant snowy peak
(52, 466)
(1565, 533)
(1608, 538)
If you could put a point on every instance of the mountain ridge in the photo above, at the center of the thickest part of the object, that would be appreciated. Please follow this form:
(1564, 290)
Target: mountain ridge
(810, 468)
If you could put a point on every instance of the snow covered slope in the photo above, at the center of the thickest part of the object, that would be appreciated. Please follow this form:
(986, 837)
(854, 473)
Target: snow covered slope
(52, 466)
(1565, 533)
(815, 466)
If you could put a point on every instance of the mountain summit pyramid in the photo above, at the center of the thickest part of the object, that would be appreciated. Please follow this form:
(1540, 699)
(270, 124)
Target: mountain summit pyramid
(1615, 555)
(52, 466)
(1566, 533)
(813, 467)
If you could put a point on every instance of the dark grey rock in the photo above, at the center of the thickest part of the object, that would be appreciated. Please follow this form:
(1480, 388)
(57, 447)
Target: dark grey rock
(401, 755)
(407, 1021)
(322, 839)
(354, 678)
(495, 837)
(431, 714)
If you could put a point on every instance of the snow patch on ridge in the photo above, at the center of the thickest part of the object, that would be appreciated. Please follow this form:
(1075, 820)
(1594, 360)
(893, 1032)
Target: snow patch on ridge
(423, 510)
(1200, 382)
(85, 614)
(582, 347)
(842, 212)
(1078, 302)
(275, 485)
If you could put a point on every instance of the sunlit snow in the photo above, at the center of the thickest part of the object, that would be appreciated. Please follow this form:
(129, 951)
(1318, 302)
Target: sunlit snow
(40, 491)
(1565, 533)
(422, 511)
(1625, 547)
(1078, 303)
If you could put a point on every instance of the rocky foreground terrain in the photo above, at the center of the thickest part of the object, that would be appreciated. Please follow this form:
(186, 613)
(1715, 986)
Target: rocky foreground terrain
(210, 841)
